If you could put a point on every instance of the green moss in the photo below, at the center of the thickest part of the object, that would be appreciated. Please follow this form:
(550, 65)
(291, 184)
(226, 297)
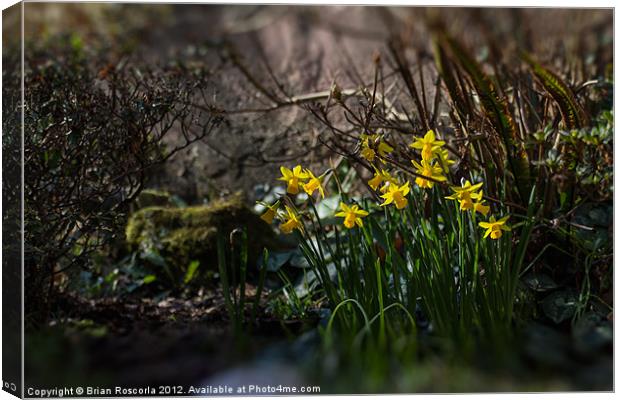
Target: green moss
(154, 197)
(185, 234)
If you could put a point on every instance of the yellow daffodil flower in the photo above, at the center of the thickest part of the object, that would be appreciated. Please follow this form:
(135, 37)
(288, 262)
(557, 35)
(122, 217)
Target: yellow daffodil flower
(352, 215)
(270, 213)
(384, 148)
(376, 180)
(379, 178)
(386, 186)
(372, 142)
(313, 184)
(466, 194)
(292, 178)
(396, 194)
(292, 221)
(430, 170)
(479, 205)
(367, 152)
(495, 228)
(444, 160)
(428, 145)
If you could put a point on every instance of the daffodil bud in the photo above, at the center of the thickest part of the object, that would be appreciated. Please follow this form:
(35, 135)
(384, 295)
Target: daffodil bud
(336, 92)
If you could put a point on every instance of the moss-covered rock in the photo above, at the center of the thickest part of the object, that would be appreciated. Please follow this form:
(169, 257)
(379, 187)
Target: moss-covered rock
(182, 235)
(154, 198)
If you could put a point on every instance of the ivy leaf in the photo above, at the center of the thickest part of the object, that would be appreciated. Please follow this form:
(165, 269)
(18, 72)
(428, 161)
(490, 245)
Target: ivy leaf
(276, 260)
(154, 258)
(539, 282)
(298, 260)
(328, 206)
(560, 306)
(591, 332)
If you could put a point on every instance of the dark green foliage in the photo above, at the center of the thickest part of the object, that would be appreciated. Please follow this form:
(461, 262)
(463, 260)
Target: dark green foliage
(496, 110)
(92, 129)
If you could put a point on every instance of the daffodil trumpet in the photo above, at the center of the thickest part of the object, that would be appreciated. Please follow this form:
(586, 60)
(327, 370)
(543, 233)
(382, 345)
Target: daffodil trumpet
(428, 145)
(352, 215)
(293, 178)
(291, 221)
(428, 173)
(397, 195)
(494, 228)
(270, 212)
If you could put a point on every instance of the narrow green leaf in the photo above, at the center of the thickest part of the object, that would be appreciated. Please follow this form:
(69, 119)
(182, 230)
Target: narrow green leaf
(191, 271)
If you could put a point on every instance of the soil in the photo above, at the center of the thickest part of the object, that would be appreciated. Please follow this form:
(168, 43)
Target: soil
(138, 341)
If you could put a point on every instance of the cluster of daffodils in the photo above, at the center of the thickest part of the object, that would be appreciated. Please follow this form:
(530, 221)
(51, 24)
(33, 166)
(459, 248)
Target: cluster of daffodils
(432, 168)
(435, 162)
(373, 145)
(392, 190)
(301, 177)
(295, 179)
(471, 197)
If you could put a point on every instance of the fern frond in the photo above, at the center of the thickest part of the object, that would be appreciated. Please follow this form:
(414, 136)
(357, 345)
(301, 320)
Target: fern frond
(496, 110)
(573, 114)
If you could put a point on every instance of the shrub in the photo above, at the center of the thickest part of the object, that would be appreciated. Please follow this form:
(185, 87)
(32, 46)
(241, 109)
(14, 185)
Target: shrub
(92, 129)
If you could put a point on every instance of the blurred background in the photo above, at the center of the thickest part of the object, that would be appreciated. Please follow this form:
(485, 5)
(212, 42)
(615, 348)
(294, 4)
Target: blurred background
(307, 48)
